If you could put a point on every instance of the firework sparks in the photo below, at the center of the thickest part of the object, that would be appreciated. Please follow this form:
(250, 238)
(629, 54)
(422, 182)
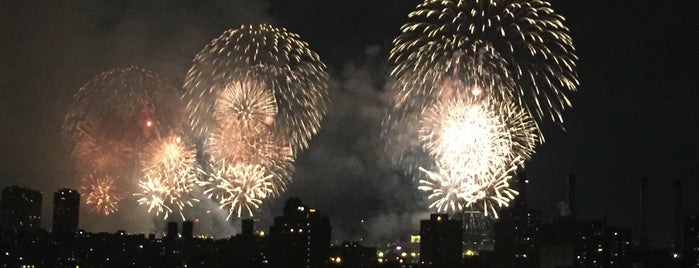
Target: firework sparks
(266, 59)
(478, 137)
(517, 50)
(111, 120)
(95, 152)
(446, 191)
(476, 147)
(170, 174)
(449, 191)
(239, 188)
(476, 76)
(101, 194)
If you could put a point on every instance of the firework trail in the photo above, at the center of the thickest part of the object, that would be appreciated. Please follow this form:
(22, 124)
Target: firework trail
(277, 61)
(101, 194)
(170, 170)
(256, 96)
(113, 117)
(475, 76)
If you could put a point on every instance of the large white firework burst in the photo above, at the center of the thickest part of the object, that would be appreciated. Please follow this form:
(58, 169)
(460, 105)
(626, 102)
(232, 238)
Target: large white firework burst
(170, 170)
(238, 188)
(474, 138)
(450, 192)
(513, 49)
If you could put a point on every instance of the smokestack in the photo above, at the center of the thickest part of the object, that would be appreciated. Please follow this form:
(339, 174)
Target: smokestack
(643, 196)
(571, 196)
(678, 216)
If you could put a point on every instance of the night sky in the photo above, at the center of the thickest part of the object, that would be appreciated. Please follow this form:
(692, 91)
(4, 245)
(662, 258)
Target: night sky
(635, 114)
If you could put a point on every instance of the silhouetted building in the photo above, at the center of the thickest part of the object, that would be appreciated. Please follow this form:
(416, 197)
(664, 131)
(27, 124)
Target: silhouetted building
(517, 232)
(253, 246)
(66, 209)
(21, 209)
(171, 230)
(353, 255)
(691, 242)
(517, 239)
(187, 229)
(557, 243)
(600, 245)
(248, 226)
(441, 241)
(478, 230)
(300, 238)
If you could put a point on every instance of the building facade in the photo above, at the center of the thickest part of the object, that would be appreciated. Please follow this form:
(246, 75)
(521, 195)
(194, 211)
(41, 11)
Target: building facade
(66, 209)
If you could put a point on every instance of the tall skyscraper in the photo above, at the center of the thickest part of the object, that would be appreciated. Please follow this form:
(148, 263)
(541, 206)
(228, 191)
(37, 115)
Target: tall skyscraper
(441, 241)
(300, 238)
(66, 208)
(172, 232)
(517, 232)
(187, 230)
(21, 209)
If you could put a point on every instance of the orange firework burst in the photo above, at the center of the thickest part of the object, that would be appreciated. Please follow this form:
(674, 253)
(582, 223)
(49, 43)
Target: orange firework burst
(100, 193)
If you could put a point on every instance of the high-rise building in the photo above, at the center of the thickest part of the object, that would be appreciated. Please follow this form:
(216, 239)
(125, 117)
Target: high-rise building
(187, 229)
(478, 230)
(21, 209)
(352, 254)
(66, 208)
(172, 231)
(299, 238)
(600, 245)
(517, 232)
(252, 246)
(441, 241)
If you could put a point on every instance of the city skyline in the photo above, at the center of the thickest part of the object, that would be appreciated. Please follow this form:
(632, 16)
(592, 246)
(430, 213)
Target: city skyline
(632, 117)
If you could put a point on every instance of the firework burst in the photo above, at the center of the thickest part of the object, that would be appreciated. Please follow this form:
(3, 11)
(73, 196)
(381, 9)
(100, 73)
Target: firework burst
(267, 58)
(446, 191)
(239, 188)
(101, 194)
(511, 49)
(111, 120)
(256, 95)
(476, 76)
(449, 191)
(169, 171)
(478, 137)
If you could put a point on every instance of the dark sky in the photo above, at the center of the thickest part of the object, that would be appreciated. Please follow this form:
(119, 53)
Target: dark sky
(635, 114)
